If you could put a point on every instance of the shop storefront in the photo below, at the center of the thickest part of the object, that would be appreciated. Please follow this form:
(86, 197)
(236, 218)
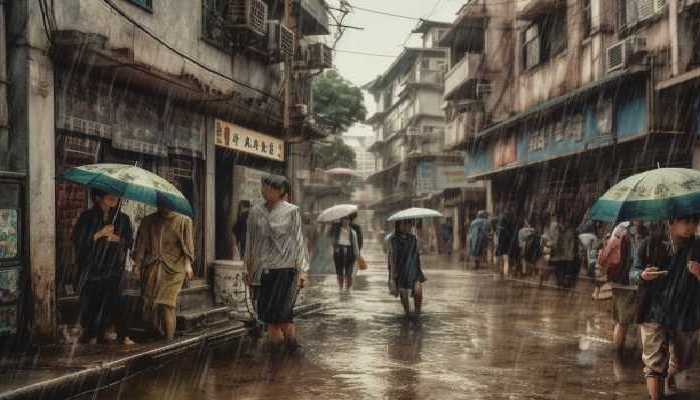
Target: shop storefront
(243, 157)
(558, 163)
(99, 121)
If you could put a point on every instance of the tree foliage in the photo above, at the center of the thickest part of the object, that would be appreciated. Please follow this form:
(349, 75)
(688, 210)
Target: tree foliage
(335, 154)
(337, 103)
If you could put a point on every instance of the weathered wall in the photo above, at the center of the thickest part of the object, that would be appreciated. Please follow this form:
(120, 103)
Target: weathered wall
(180, 27)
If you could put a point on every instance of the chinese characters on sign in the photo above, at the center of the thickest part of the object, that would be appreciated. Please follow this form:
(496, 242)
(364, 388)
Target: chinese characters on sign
(245, 140)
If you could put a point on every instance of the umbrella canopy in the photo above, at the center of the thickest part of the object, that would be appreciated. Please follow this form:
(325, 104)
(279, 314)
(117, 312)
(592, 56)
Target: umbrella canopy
(342, 171)
(658, 194)
(415, 213)
(133, 183)
(337, 212)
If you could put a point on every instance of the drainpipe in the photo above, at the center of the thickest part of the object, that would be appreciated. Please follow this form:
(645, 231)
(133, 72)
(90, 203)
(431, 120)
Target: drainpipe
(673, 34)
(4, 123)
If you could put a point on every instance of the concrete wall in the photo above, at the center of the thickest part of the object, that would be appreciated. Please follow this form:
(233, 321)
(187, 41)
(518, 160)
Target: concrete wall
(179, 26)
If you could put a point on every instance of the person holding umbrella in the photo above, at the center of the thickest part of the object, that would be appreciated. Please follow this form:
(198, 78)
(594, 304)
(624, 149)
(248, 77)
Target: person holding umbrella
(164, 251)
(406, 276)
(102, 237)
(666, 269)
(347, 244)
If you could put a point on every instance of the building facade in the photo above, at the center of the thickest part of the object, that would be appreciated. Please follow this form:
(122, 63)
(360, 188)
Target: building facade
(561, 99)
(208, 95)
(416, 165)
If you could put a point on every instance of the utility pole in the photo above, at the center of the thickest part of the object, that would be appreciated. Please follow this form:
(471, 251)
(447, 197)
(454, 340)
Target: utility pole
(291, 23)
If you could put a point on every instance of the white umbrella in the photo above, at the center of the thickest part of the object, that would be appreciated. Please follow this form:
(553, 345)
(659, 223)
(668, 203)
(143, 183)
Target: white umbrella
(342, 171)
(415, 213)
(337, 212)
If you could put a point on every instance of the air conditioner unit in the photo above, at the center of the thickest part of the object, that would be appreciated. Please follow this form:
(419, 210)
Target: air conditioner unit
(659, 6)
(247, 15)
(280, 41)
(413, 131)
(302, 58)
(621, 54)
(483, 90)
(320, 56)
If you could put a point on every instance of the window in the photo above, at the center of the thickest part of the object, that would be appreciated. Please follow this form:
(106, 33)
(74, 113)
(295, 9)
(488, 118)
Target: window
(632, 12)
(587, 17)
(544, 39)
(147, 4)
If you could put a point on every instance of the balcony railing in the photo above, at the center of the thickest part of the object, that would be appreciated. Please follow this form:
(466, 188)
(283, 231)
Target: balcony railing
(464, 127)
(467, 69)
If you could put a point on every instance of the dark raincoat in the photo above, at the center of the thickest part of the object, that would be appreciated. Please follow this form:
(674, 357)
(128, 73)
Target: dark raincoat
(673, 301)
(404, 261)
(479, 236)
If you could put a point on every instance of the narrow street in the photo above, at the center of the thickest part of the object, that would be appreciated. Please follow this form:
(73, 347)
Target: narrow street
(479, 338)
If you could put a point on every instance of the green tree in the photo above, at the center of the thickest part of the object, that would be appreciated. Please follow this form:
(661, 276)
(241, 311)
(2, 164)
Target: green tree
(337, 103)
(335, 154)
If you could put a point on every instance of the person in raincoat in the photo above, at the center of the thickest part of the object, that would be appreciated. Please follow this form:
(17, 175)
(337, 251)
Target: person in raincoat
(479, 231)
(102, 237)
(405, 273)
(347, 239)
(667, 270)
(276, 261)
(506, 233)
(164, 254)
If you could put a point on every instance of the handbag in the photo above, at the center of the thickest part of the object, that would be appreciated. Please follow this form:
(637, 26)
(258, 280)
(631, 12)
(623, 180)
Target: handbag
(361, 263)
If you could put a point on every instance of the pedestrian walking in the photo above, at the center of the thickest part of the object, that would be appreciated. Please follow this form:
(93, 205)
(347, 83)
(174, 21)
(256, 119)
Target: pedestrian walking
(164, 255)
(561, 247)
(506, 253)
(405, 273)
(276, 261)
(241, 226)
(102, 238)
(667, 270)
(530, 244)
(346, 250)
(617, 257)
(479, 231)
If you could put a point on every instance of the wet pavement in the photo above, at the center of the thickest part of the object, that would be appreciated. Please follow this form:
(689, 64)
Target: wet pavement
(479, 338)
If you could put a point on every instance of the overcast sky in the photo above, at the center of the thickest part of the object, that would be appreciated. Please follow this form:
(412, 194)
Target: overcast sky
(383, 35)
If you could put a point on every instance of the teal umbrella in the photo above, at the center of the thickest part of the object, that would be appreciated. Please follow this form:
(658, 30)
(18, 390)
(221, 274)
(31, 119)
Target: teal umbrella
(653, 195)
(133, 183)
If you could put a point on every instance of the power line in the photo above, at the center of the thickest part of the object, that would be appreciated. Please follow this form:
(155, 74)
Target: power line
(183, 55)
(389, 14)
(366, 54)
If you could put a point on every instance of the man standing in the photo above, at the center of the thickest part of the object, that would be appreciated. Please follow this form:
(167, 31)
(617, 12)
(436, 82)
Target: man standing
(164, 254)
(241, 226)
(478, 239)
(276, 260)
(102, 237)
(668, 275)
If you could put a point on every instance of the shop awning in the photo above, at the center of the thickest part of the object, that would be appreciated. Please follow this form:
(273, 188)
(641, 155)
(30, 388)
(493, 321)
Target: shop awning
(380, 174)
(693, 75)
(553, 104)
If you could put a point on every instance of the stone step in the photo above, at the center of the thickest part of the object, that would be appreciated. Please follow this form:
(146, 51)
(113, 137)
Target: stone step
(192, 320)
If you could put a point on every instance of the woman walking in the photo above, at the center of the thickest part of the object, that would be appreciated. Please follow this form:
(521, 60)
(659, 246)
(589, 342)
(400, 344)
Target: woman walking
(346, 251)
(479, 231)
(405, 274)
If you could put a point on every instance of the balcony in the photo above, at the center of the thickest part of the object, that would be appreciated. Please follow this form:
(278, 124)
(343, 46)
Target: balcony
(466, 70)
(312, 15)
(463, 128)
(530, 9)
(421, 78)
(474, 9)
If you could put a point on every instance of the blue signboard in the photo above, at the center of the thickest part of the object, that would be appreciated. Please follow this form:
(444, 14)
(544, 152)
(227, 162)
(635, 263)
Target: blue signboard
(579, 127)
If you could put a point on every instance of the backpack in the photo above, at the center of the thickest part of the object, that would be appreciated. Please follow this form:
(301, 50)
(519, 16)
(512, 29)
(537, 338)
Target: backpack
(612, 255)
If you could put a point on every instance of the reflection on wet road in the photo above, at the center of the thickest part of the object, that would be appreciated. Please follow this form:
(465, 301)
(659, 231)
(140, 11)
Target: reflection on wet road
(479, 338)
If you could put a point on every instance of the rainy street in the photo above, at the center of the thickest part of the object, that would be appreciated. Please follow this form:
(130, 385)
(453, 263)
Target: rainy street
(479, 338)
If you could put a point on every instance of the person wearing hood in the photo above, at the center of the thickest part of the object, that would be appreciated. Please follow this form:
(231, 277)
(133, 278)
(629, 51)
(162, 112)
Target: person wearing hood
(478, 240)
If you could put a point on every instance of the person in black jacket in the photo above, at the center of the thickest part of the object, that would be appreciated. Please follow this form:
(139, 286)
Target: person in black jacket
(102, 237)
(347, 245)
